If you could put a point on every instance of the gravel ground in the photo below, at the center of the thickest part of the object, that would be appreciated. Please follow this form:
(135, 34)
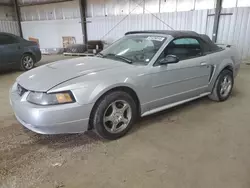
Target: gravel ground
(199, 144)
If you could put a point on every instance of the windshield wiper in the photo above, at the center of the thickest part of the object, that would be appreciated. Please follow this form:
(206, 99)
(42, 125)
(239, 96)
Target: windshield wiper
(100, 55)
(118, 57)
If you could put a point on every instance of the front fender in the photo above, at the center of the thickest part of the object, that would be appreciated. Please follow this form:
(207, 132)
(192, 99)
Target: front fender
(90, 91)
(101, 89)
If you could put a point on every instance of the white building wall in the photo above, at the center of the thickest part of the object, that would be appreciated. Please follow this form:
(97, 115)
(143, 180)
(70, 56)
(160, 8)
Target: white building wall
(50, 32)
(108, 20)
(233, 29)
(49, 23)
(54, 11)
(7, 20)
(113, 27)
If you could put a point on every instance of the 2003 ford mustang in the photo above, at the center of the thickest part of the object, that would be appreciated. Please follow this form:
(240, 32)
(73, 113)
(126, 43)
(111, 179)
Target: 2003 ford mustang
(140, 74)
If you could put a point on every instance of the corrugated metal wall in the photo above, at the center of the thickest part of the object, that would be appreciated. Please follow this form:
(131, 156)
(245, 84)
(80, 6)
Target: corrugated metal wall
(54, 11)
(233, 29)
(101, 27)
(7, 20)
(60, 19)
(123, 7)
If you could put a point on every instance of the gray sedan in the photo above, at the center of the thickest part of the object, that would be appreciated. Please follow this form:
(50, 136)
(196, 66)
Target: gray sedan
(141, 74)
(18, 53)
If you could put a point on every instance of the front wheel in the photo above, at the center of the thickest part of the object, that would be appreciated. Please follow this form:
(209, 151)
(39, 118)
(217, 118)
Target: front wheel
(114, 115)
(27, 62)
(223, 86)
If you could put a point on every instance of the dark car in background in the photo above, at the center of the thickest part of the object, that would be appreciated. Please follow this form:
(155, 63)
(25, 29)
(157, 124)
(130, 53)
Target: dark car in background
(18, 53)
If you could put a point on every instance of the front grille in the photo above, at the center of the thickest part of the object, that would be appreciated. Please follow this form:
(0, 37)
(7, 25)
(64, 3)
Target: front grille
(21, 90)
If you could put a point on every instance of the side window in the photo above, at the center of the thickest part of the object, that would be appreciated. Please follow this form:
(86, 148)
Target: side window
(183, 48)
(189, 41)
(5, 39)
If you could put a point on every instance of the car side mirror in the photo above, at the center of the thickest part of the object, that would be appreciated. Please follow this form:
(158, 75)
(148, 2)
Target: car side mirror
(169, 59)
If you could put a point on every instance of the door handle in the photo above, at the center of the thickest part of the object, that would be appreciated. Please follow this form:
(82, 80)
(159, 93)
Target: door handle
(203, 64)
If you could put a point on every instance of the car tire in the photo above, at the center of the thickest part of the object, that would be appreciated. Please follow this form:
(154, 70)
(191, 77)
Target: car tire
(27, 62)
(223, 86)
(114, 115)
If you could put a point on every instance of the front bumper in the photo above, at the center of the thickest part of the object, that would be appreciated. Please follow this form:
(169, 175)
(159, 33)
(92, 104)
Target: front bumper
(55, 119)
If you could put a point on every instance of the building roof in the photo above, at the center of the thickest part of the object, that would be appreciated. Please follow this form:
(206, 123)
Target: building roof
(174, 33)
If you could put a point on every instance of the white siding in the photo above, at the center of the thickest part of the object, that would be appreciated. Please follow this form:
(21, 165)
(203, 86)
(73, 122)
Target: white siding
(54, 11)
(7, 20)
(233, 29)
(109, 19)
(50, 32)
(50, 22)
(109, 28)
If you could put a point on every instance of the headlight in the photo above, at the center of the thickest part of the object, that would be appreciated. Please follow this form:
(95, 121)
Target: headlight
(51, 98)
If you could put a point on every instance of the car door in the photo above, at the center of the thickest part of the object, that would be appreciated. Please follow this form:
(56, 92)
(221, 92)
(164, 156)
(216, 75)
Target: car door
(184, 80)
(10, 50)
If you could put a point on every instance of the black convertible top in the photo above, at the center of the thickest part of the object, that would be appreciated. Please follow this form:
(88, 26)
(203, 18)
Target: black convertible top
(173, 33)
(177, 33)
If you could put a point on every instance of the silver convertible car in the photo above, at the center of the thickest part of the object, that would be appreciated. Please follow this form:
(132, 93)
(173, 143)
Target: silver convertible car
(142, 73)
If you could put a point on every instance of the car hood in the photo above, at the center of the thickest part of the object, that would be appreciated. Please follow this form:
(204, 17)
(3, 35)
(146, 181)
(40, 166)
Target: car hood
(44, 78)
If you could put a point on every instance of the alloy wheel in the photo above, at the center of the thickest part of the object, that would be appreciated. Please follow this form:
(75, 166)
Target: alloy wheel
(28, 62)
(117, 116)
(226, 86)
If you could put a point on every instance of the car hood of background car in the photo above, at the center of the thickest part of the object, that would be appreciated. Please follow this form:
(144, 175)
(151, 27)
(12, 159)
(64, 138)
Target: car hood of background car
(43, 78)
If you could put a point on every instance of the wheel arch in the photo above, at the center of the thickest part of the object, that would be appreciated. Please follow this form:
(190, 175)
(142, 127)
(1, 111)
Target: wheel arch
(30, 53)
(225, 67)
(228, 66)
(126, 89)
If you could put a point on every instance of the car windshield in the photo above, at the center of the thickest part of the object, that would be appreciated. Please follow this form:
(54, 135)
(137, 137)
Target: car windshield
(138, 49)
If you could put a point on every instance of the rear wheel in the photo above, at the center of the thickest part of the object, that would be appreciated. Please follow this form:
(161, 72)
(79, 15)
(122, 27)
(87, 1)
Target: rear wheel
(114, 115)
(27, 62)
(223, 86)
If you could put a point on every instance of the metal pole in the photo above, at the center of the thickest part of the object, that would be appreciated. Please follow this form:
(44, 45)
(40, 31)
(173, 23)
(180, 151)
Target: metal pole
(83, 9)
(216, 20)
(17, 11)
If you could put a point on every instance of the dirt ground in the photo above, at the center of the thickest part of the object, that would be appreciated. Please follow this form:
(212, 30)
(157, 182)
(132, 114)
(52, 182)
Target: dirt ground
(199, 144)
